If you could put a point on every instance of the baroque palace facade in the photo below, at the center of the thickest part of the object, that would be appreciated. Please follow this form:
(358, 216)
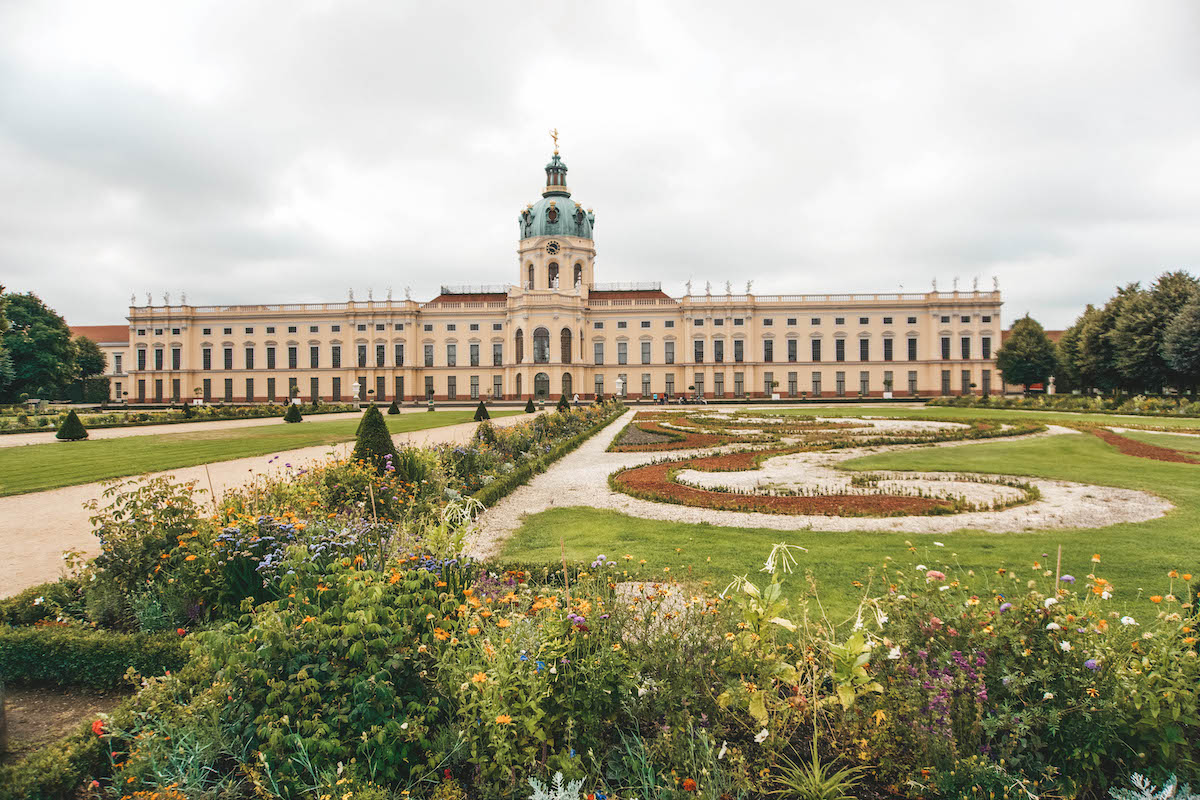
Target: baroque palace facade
(557, 331)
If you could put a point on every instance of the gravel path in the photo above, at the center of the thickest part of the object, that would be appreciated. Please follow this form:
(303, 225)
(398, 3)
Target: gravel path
(36, 528)
(581, 479)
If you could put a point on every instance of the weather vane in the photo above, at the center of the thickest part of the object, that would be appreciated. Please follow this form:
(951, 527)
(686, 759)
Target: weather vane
(554, 136)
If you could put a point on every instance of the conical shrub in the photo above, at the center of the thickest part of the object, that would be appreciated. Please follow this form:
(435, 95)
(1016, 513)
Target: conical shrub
(72, 429)
(393, 408)
(529, 406)
(292, 414)
(563, 404)
(481, 413)
(374, 444)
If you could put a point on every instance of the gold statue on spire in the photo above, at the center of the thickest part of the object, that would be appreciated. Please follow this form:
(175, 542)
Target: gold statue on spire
(554, 136)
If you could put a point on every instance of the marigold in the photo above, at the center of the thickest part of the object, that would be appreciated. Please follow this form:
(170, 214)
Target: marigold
(1187, 576)
(440, 634)
(503, 719)
(503, 623)
(689, 785)
(473, 630)
(479, 677)
(1157, 598)
(190, 558)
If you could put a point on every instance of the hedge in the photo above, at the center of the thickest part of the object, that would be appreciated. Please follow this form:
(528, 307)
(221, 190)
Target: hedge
(505, 485)
(58, 770)
(23, 609)
(72, 656)
(260, 411)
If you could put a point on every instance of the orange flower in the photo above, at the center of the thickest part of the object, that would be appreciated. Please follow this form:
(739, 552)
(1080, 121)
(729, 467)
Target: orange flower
(1095, 558)
(395, 578)
(503, 719)
(479, 677)
(689, 785)
(1187, 576)
(440, 634)
(473, 630)
(1156, 598)
(1173, 574)
(190, 558)
(503, 623)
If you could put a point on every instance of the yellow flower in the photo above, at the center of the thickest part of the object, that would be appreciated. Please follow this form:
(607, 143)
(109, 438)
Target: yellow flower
(473, 630)
(1187, 576)
(479, 677)
(190, 558)
(440, 634)
(503, 623)
(503, 719)
(1156, 598)
(617, 646)
(1173, 574)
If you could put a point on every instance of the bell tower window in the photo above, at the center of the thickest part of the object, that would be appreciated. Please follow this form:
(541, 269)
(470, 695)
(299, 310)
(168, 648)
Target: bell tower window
(552, 281)
(529, 282)
(578, 275)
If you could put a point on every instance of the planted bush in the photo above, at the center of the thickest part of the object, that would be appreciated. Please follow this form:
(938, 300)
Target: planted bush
(481, 412)
(69, 655)
(529, 409)
(374, 444)
(394, 408)
(292, 414)
(72, 429)
(563, 403)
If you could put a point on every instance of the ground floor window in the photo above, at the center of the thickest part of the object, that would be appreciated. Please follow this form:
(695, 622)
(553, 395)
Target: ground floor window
(792, 384)
(229, 390)
(141, 390)
(623, 384)
(293, 388)
(207, 390)
(474, 387)
(451, 388)
(380, 388)
(739, 384)
(249, 390)
(117, 390)
(816, 384)
(670, 384)
(945, 383)
(985, 382)
(864, 383)
(567, 387)
(158, 390)
(314, 389)
(519, 394)
(888, 383)
(336, 392)
(840, 384)
(428, 387)
(768, 383)
(497, 386)
(360, 390)
(270, 390)
(541, 385)
(698, 387)
(599, 385)
(645, 384)
(719, 384)
(175, 390)
(912, 382)
(399, 397)
(966, 381)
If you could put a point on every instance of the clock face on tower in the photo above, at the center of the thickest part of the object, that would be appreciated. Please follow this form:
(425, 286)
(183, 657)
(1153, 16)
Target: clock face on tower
(551, 247)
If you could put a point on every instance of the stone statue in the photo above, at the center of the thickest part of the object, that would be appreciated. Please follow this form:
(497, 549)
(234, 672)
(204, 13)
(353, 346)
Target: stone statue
(389, 294)
(132, 299)
(749, 284)
(166, 298)
(350, 295)
(183, 298)
(149, 300)
(728, 287)
(935, 284)
(956, 283)
(708, 288)
(975, 284)
(370, 294)
(995, 284)
(407, 293)
(354, 387)
(689, 287)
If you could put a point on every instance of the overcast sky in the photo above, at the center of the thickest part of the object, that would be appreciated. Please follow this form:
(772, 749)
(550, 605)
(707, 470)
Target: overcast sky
(281, 152)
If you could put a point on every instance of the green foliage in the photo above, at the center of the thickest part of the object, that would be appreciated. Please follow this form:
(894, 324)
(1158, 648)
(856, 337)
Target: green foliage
(1144, 789)
(72, 429)
(293, 413)
(1027, 355)
(374, 445)
(89, 358)
(42, 602)
(56, 771)
(815, 780)
(1181, 344)
(40, 346)
(529, 409)
(1140, 329)
(68, 655)
(563, 404)
(481, 412)
(394, 408)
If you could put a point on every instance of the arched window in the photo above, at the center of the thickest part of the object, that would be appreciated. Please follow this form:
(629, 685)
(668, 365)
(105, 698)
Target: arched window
(529, 283)
(541, 346)
(578, 275)
(566, 388)
(518, 386)
(541, 386)
(552, 281)
(565, 345)
(520, 346)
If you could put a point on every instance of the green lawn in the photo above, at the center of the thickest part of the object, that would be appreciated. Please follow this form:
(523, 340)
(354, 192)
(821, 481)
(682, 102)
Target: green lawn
(37, 467)
(1001, 414)
(1133, 556)
(1187, 444)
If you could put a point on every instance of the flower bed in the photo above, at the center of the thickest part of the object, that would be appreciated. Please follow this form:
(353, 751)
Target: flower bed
(1132, 447)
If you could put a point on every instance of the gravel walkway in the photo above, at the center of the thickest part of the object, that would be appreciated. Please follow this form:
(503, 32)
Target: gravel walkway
(581, 479)
(36, 528)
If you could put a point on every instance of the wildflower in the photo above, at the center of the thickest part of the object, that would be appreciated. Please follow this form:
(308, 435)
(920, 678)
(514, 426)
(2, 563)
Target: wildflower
(479, 677)
(181, 631)
(1095, 558)
(1053, 626)
(1065, 646)
(37, 601)
(1050, 601)
(1092, 664)
(440, 634)
(1005, 607)
(98, 727)
(921, 567)
(761, 736)
(938, 544)
(503, 623)
(935, 575)
(1157, 598)
(1187, 576)
(1092, 691)
(894, 653)
(689, 785)
(1173, 574)
(1048, 695)
(473, 630)
(1067, 578)
(503, 719)
(1128, 621)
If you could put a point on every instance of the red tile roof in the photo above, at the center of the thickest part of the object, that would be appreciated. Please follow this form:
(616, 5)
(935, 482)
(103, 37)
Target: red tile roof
(103, 334)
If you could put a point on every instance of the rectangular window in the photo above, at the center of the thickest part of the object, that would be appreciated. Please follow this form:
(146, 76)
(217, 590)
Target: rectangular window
(964, 319)
(792, 387)
(270, 390)
(362, 356)
(769, 383)
(864, 320)
(227, 331)
(380, 355)
(227, 359)
(314, 357)
(816, 384)
(887, 349)
(864, 383)
(429, 387)
(249, 358)
(912, 382)
(719, 351)
(912, 320)
(966, 347)
(270, 358)
(839, 349)
(645, 323)
(966, 381)
(622, 353)
(767, 322)
(598, 352)
(399, 396)
(839, 384)
(985, 347)
(117, 358)
(912, 348)
(739, 322)
(498, 386)
(451, 327)
(270, 329)
(698, 351)
(599, 386)
(399, 326)
(334, 328)
(474, 351)
(314, 389)
(497, 355)
(336, 393)
(864, 349)
(986, 318)
(428, 328)
(718, 321)
(645, 384)
(670, 388)
(699, 323)
(792, 346)
(207, 390)
(887, 320)
(473, 326)
(945, 347)
(945, 383)
(839, 320)
(669, 352)
(205, 358)
(229, 390)
(176, 390)
(888, 381)
(335, 356)
(158, 358)
(815, 321)
(176, 359)
(380, 388)
(312, 328)
(293, 388)
(698, 382)
(739, 384)
(945, 320)
(429, 355)
(739, 354)
(293, 357)
(645, 352)
(719, 385)
(158, 390)
(597, 326)
(451, 355)
(768, 350)
(985, 382)
(474, 387)
(361, 394)
(669, 323)
(621, 324)
(816, 349)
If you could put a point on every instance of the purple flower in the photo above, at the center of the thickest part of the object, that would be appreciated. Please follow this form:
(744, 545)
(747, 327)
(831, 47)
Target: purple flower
(1092, 664)
(1005, 607)
(1067, 579)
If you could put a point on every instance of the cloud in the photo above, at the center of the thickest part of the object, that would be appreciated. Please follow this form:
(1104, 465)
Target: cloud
(288, 151)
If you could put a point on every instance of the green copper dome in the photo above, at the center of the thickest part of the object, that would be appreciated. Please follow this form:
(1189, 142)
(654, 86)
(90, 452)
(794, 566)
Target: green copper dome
(556, 214)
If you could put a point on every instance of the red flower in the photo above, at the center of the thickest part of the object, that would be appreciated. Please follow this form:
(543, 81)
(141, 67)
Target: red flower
(181, 631)
(689, 785)
(98, 727)
(446, 772)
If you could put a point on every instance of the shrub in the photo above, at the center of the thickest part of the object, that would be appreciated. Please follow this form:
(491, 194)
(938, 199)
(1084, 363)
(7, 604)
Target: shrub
(68, 655)
(57, 770)
(292, 414)
(529, 409)
(374, 444)
(394, 408)
(72, 429)
(37, 603)
(563, 403)
(481, 413)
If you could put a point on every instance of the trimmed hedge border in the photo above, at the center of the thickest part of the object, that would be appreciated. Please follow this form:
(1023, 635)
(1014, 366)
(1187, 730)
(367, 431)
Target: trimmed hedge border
(72, 656)
(99, 425)
(1004, 404)
(507, 484)
(57, 770)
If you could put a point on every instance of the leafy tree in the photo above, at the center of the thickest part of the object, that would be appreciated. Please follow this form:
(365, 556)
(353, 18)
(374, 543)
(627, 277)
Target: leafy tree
(6, 367)
(1140, 329)
(374, 444)
(481, 413)
(72, 429)
(1181, 344)
(1097, 355)
(39, 342)
(529, 409)
(1070, 354)
(89, 358)
(292, 414)
(1028, 355)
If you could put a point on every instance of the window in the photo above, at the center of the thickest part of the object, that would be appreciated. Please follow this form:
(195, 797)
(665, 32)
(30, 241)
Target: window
(474, 387)
(839, 384)
(699, 323)
(312, 328)
(670, 388)
(719, 384)
(451, 355)
(227, 356)
(336, 394)
(985, 383)
(293, 356)
(791, 321)
(622, 352)
(912, 382)
(314, 357)
(887, 320)
(429, 355)
(985, 347)
(361, 354)
(398, 353)
(864, 320)
(669, 352)
(334, 328)
(399, 388)
(270, 390)
(474, 354)
(498, 386)
(645, 323)
(291, 328)
(739, 321)
(698, 351)
(738, 350)
(158, 358)
(839, 349)
(520, 340)
(645, 352)
(380, 355)
(964, 319)
(966, 347)
(698, 382)
(428, 328)
(719, 351)
(206, 394)
(645, 384)
(177, 389)
(497, 326)
(564, 345)
(768, 350)
(839, 320)
(768, 383)
(986, 318)
(314, 389)
(945, 383)
(864, 383)
(597, 326)
(117, 358)
(270, 358)
(228, 331)
(945, 320)
(158, 331)
(158, 390)
(669, 323)
(792, 346)
(768, 323)
(429, 386)
(175, 331)
(816, 384)
(249, 358)
(912, 348)
(887, 349)
(497, 354)
(229, 390)
(945, 347)
(451, 327)
(399, 326)
(912, 320)
(864, 349)
(270, 329)
(598, 352)
(739, 384)
(815, 321)
(203, 331)
(599, 385)
(451, 388)
(622, 325)
(474, 326)
(205, 358)
(335, 356)
(792, 389)
(816, 350)
(966, 381)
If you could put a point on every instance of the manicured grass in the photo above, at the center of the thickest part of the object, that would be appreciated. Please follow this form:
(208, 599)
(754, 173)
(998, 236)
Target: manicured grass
(1000, 414)
(1187, 444)
(1135, 557)
(35, 468)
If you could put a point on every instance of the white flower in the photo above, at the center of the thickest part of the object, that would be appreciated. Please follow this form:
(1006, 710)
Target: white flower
(1048, 696)
(761, 736)
(554, 670)
(404, 727)
(1050, 601)
(1053, 626)
(938, 544)
(1065, 646)
(1106, 594)
(1128, 621)
(724, 749)
(894, 653)
(943, 588)
(902, 597)
(37, 601)
(921, 567)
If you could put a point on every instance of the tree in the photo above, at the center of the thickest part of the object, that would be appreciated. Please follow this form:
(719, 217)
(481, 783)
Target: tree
(1027, 356)
(292, 414)
(39, 342)
(1097, 355)
(1140, 329)
(481, 413)
(1069, 353)
(1181, 344)
(529, 406)
(72, 429)
(89, 358)
(393, 408)
(6, 367)
(374, 445)
(563, 403)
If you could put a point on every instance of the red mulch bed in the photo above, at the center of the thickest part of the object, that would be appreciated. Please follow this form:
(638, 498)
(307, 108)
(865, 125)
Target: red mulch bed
(652, 482)
(1132, 447)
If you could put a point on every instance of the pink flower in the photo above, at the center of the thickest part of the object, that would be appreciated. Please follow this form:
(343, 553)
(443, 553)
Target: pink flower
(934, 575)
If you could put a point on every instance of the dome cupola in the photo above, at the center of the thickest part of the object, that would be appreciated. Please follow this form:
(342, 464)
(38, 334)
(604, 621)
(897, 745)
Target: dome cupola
(556, 214)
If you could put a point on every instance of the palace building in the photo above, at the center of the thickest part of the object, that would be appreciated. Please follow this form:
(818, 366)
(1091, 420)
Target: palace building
(556, 331)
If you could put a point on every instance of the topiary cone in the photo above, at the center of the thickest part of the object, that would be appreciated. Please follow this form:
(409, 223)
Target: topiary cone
(529, 406)
(72, 429)
(393, 408)
(563, 403)
(481, 413)
(292, 414)
(374, 444)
